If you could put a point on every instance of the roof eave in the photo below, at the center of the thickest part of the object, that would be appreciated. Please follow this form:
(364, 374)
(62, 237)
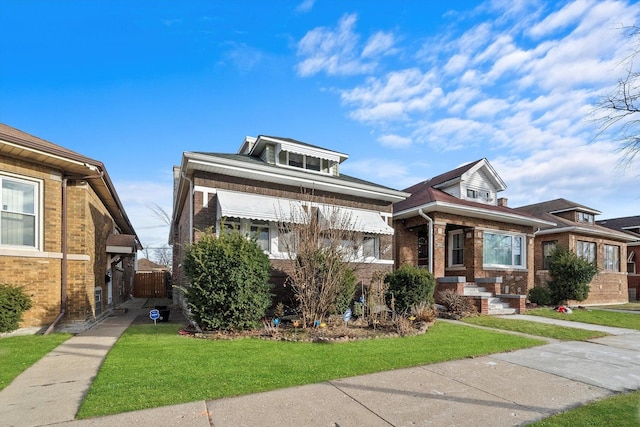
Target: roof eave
(472, 211)
(584, 230)
(196, 161)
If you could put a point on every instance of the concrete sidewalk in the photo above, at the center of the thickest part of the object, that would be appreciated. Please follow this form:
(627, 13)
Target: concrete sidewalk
(52, 390)
(499, 390)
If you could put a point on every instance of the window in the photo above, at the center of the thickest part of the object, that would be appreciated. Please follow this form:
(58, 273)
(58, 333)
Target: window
(296, 160)
(585, 217)
(19, 214)
(631, 265)
(313, 163)
(303, 161)
(611, 258)
(423, 249)
(547, 248)
(586, 251)
(371, 246)
(478, 194)
(456, 248)
(230, 224)
(260, 231)
(503, 250)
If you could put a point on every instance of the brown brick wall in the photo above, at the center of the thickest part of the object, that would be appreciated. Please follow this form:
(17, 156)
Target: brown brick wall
(606, 287)
(88, 227)
(205, 217)
(517, 281)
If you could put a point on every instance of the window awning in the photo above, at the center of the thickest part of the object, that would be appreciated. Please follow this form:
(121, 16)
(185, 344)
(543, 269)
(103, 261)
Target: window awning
(355, 219)
(265, 208)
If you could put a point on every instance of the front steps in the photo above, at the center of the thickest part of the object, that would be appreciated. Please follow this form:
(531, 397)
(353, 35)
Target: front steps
(495, 305)
(487, 298)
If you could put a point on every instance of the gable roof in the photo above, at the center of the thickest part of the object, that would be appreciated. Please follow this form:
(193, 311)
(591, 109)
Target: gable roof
(146, 265)
(18, 144)
(548, 210)
(428, 197)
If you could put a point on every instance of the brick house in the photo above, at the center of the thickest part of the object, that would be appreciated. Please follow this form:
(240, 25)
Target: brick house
(455, 225)
(64, 234)
(262, 184)
(631, 225)
(575, 228)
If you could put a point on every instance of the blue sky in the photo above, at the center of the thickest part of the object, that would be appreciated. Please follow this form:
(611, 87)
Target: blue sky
(409, 89)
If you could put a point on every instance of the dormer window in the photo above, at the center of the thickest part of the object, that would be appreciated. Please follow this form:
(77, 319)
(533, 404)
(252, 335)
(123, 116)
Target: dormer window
(585, 218)
(478, 194)
(304, 161)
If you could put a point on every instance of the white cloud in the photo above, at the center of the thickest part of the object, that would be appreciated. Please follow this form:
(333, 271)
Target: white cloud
(561, 19)
(380, 43)
(521, 82)
(305, 6)
(395, 141)
(333, 51)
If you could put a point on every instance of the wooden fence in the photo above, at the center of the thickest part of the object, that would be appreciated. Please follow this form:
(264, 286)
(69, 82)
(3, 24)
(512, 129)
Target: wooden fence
(150, 285)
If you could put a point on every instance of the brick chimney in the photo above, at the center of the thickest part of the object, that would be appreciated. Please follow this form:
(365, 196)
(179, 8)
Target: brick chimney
(503, 201)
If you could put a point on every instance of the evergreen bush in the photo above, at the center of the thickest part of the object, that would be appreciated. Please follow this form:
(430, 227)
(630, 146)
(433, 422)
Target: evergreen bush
(570, 276)
(13, 302)
(229, 277)
(347, 291)
(540, 295)
(409, 286)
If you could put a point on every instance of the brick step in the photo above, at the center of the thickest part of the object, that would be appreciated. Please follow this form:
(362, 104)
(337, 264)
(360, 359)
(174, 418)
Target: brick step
(474, 290)
(497, 306)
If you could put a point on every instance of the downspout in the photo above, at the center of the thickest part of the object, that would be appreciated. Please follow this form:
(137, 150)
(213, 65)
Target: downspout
(64, 249)
(63, 266)
(430, 244)
(190, 206)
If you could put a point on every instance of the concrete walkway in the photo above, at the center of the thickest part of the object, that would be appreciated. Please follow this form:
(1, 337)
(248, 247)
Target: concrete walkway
(504, 389)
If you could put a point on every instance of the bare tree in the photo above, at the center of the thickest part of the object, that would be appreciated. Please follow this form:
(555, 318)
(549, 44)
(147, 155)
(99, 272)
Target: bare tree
(322, 246)
(617, 112)
(163, 256)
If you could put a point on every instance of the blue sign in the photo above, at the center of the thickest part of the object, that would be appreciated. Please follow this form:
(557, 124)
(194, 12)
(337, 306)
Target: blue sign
(347, 315)
(154, 314)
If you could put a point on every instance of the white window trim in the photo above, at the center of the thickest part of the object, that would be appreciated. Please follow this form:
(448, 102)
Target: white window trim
(523, 252)
(450, 250)
(606, 260)
(39, 202)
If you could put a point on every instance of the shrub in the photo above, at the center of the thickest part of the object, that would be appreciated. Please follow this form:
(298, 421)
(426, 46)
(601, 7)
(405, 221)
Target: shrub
(229, 278)
(456, 304)
(409, 286)
(540, 295)
(424, 312)
(570, 276)
(348, 289)
(13, 302)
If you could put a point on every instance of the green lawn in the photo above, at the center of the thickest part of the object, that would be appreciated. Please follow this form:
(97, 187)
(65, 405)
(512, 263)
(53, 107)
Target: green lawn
(153, 366)
(621, 410)
(593, 316)
(534, 328)
(19, 352)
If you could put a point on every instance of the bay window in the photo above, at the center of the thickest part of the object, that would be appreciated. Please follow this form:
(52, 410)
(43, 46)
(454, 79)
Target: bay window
(504, 250)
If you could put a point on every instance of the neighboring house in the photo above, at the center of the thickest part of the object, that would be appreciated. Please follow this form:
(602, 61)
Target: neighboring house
(576, 229)
(631, 225)
(455, 225)
(64, 234)
(263, 185)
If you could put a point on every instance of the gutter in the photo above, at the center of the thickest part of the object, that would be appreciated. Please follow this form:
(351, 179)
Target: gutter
(430, 245)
